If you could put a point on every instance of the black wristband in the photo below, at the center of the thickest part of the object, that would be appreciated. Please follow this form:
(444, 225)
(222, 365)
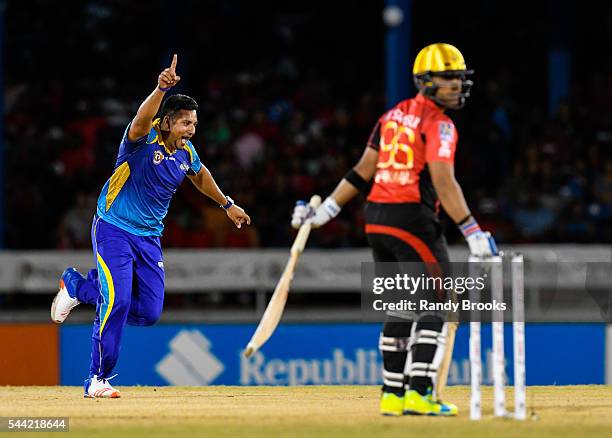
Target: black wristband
(355, 179)
(464, 220)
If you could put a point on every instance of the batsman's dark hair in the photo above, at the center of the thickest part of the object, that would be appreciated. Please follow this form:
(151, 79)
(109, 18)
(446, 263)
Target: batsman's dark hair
(176, 103)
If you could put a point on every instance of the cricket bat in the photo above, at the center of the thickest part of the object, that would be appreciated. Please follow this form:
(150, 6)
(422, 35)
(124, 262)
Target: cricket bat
(274, 311)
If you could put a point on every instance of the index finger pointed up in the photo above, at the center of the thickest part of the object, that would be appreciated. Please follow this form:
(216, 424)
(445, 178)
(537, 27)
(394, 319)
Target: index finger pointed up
(174, 61)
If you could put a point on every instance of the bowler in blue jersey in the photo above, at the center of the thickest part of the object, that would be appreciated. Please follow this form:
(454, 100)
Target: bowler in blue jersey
(127, 285)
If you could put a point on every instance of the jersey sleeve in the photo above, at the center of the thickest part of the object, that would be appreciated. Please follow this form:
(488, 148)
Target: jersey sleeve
(194, 160)
(127, 147)
(441, 141)
(374, 139)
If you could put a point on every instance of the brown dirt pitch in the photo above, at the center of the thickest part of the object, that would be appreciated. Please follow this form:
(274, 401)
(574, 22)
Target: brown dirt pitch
(334, 411)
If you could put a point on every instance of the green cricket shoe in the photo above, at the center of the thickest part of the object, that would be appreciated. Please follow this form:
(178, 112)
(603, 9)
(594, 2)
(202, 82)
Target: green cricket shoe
(417, 404)
(446, 409)
(391, 404)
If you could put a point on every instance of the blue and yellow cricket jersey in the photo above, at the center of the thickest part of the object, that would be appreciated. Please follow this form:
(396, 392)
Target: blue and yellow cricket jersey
(137, 195)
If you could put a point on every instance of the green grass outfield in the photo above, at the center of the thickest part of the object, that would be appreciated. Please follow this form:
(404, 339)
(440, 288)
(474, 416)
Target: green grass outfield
(335, 411)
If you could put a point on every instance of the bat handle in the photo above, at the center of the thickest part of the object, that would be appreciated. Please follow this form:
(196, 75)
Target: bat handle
(302, 237)
(315, 201)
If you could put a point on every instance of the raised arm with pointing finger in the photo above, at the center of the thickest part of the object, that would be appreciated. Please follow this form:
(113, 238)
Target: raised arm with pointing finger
(142, 123)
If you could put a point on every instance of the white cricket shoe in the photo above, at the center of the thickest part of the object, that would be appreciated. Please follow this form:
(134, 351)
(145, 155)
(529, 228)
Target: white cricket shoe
(62, 304)
(100, 388)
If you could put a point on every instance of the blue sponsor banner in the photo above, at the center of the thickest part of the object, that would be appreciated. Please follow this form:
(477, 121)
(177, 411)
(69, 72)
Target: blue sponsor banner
(556, 354)
(212, 354)
(321, 354)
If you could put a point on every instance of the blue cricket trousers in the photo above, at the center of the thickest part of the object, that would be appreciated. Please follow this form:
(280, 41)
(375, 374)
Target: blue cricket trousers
(126, 287)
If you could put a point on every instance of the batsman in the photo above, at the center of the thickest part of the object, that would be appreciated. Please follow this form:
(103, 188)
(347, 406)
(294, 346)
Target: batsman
(410, 158)
(127, 285)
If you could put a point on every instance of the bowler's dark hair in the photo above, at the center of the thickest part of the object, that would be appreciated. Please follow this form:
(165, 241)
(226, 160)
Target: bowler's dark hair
(176, 103)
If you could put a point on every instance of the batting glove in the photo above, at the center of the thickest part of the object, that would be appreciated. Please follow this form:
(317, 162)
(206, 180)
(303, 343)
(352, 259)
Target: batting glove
(481, 244)
(299, 215)
(304, 212)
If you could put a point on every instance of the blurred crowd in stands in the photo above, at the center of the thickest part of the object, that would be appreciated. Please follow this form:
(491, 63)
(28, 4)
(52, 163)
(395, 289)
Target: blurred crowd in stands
(275, 131)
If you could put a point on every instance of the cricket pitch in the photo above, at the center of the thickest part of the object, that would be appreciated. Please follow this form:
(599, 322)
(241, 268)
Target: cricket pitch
(334, 411)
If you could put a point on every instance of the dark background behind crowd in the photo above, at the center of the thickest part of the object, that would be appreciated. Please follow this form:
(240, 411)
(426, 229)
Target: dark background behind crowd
(288, 95)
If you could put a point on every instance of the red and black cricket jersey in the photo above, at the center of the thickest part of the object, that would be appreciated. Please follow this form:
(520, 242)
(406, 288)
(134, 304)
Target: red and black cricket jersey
(407, 137)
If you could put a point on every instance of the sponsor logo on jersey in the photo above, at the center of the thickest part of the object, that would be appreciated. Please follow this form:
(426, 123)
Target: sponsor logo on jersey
(445, 149)
(158, 157)
(446, 131)
(184, 167)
